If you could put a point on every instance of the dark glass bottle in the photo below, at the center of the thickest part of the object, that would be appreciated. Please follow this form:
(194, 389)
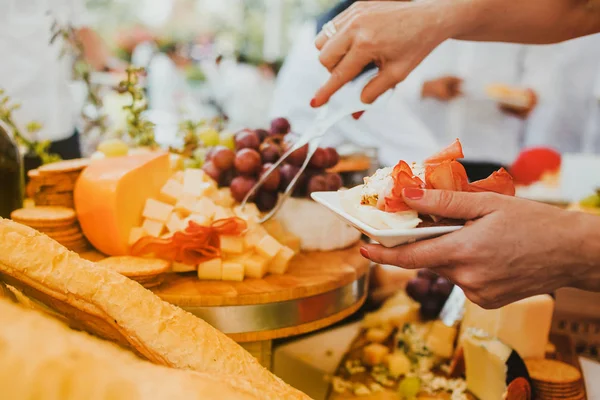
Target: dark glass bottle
(11, 175)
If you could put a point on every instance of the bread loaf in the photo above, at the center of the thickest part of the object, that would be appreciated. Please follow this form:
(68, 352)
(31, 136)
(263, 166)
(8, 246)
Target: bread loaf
(112, 306)
(43, 359)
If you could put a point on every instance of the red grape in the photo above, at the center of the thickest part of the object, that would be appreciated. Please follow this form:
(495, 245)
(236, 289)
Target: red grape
(418, 288)
(319, 159)
(240, 186)
(441, 288)
(211, 170)
(262, 134)
(266, 201)
(287, 173)
(280, 126)
(223, 157)
(431, 307)
(317, 183)
(427, 274)
(298, 156)
(247, 139)
(227, 177)
(272, 182)
(209, 154)
(332, 157)
(247, 162)
(270, 152)
(334, 181)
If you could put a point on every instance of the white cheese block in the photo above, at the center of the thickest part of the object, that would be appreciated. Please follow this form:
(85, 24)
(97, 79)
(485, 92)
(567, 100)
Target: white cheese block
(233, 271)
(232, 244)
(268, 247)
(318, 228)
(153, 228)
(211, 269)
(157, 210)
(440, 339)
(205, 206)
(523, 325)
(186, 205)
(181, 267)
(280, 263)
(487, 363)
(175, 224)
(172, 191)
(194, 183)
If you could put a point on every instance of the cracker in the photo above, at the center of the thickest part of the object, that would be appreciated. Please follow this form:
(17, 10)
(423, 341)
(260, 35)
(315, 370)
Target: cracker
(67, 232)
(56, 199)
(552, 371)
(41, 216)
(60, 167)
(136, 266)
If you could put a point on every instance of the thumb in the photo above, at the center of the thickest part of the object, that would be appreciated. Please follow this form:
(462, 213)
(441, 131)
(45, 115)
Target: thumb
(449, 204)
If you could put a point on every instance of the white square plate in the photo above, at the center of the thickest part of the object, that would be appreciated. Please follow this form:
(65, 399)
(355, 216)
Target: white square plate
(385, 237)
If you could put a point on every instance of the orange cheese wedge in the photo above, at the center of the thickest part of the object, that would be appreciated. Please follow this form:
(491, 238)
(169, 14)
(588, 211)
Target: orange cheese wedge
(110, 196)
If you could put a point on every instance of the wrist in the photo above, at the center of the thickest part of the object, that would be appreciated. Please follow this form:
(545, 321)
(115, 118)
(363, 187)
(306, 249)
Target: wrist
(454, 19)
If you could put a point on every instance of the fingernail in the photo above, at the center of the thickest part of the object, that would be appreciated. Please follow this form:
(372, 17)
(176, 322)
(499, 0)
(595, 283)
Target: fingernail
(413, 193)
(358, 114)
(313, 102)
(364, 252)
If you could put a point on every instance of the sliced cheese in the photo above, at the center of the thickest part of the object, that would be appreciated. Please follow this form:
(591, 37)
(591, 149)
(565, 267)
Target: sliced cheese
(440, 339)
(489, 363)
(281, 262)
(222, 213)
(171, 192)
(157, 210)
(523, 325)
(211, 269)
(110, 196)
(153, 228)
(254, 235)
(233, 271)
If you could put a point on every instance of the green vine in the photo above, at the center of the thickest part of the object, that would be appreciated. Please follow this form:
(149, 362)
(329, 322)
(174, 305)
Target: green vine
(82, 70)
(39, 148)
(139, 130)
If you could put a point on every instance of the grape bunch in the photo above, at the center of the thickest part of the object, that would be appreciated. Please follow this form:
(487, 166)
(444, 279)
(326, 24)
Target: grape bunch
(256, 151)
(431, 290)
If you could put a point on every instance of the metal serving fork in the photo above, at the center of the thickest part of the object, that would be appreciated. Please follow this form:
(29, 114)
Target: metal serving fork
(343, 104)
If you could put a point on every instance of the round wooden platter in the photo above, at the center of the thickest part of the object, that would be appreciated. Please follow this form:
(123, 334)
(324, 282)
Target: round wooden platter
(318, 290)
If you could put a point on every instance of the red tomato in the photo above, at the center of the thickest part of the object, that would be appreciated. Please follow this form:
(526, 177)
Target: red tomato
(532, 163)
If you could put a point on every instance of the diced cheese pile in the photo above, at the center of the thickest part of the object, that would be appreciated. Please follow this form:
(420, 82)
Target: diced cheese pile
(191, 195)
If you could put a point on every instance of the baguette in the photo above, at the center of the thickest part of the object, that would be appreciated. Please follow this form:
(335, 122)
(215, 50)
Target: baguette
(43, 359)
(114, 307)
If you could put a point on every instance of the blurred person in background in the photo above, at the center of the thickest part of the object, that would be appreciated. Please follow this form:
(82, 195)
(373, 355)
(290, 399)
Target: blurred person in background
(34, 74)
(445, 98)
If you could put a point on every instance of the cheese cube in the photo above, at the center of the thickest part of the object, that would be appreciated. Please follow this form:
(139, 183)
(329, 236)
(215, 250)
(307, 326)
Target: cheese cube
(268, 247)
(205, 206)
(374, 354)
(171, 192)
(197, 218)
(254, 236)
(186, 205)
(136, 234)
(222, 213)
(291, 241)
(153, 228)
(275, 229)
(157, 210)
(232, 271)
(223, 198)
(377, 335)
(181, 267)
(396, 315)
(232, 244)
(211, 269)
(440, 339)
(523, 325)
(255, 266)
(175, 224)
(193, 182)
(397, 363)
(176, 161)
(250, 212)
(280, 263)
(178, 176)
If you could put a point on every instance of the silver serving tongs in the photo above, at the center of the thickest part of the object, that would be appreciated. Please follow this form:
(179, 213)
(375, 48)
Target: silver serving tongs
(454, 308)
(344, 103)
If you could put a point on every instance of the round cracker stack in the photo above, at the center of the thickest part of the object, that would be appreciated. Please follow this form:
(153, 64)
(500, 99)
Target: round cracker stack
(53, 184)
(148, 272)
(555, 380)
(60, 223)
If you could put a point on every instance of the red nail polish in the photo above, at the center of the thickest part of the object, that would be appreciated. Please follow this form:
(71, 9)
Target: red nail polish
(313, 102)
(358, 114)
(364, 252)
(413, 193)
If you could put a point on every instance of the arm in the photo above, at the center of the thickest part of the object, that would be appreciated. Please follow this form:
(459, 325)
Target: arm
(398, 36)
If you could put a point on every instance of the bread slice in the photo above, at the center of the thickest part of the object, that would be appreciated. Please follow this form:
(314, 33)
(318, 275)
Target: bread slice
(114, 307)
(43, 359)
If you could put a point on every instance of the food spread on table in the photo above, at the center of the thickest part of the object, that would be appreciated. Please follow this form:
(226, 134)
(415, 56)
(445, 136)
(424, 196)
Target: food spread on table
(379, 202)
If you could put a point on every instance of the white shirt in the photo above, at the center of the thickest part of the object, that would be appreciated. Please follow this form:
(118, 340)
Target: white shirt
(31, 71)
